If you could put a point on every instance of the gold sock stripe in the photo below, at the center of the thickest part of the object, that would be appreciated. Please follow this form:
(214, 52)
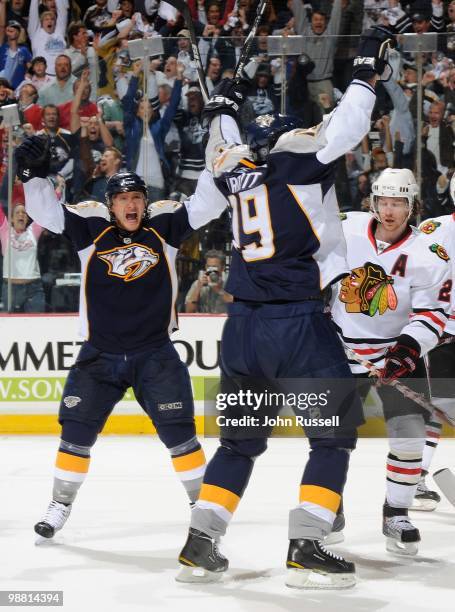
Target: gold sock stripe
(220, 496)
(71, 463)
(321, 496)
(186, 562)
(294, 564)
(189, 462)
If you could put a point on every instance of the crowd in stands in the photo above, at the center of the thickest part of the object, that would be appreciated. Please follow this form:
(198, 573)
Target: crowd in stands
(67, 66)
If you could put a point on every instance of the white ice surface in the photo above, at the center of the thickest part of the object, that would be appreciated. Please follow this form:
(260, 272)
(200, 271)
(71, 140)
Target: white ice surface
(118, 550)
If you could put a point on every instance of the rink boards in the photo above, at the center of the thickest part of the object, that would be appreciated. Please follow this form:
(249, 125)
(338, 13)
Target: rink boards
(36, 352)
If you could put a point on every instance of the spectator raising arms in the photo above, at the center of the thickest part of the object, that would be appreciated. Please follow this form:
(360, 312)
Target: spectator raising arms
(25, 277)
(320, 46)
(47, 32)
(147, 157)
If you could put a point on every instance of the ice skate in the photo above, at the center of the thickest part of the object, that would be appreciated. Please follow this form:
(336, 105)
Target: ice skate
(336, 535)
(311, 566)
(401, 535)
(200, 559)
(424, 499)
(54, 519)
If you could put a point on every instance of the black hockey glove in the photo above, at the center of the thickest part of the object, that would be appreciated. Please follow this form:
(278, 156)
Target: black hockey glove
(33, 158)
(401, 359)
(372, 54)
(226, 99)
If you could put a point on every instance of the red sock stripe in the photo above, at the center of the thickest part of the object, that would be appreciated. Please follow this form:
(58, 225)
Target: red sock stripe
(400, 470)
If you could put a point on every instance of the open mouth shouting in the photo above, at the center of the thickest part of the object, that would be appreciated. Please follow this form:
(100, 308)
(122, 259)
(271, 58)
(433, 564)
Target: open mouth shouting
(132, 216)
(128, 209)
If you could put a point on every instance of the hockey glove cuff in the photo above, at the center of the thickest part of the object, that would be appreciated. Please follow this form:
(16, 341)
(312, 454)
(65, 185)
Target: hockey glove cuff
(401, 359)
(226, 99)
(372, 54)
(33, 158)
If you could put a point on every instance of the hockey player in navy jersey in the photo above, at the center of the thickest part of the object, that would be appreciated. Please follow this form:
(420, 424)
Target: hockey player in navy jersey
(287, 248)
(391, 311)
(127, 311)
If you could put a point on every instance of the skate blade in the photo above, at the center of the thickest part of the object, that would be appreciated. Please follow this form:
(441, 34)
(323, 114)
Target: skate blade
(197, 574)
(405, 549)
(309, 579)
(335, 537)
(424, 505)
(42, 541)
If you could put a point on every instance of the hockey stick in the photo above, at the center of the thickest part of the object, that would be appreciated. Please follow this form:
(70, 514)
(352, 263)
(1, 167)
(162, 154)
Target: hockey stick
(446, 482)
(249, 40)
(183, 8)
(403, 389)
(443, 341)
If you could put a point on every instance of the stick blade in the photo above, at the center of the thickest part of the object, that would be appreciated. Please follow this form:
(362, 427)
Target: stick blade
(445, 480)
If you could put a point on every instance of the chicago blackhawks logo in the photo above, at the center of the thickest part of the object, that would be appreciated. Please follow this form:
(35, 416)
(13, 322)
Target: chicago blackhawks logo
(368, 290)
(440, 251)
(429, 227)
(129, 262)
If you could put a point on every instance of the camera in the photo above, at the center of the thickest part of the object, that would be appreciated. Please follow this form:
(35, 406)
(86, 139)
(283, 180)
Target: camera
(214, 274)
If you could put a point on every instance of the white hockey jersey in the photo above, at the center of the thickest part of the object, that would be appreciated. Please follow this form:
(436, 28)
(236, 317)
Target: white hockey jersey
(442, 230)
(399, 289)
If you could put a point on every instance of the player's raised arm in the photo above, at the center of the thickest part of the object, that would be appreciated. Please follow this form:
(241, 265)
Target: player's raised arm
(32, 160)
(220, 113)
(206, 203)
(350, 121)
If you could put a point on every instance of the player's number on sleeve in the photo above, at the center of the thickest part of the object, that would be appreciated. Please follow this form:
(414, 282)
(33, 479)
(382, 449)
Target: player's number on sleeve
(444, 293)
(254, 214)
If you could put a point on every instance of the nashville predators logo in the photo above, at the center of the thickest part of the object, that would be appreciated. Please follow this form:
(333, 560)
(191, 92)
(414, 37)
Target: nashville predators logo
(368, 290)
(429, 227)
(129, 262)
(440, 251)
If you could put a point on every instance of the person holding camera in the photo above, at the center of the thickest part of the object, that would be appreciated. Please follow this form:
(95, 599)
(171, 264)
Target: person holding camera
(207, 293)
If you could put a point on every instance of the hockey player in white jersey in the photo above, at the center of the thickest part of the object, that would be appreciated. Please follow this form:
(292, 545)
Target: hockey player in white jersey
(441, 360)
(391, 310)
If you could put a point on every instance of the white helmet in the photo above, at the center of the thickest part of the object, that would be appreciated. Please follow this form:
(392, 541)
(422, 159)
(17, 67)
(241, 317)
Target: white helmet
(394, 183)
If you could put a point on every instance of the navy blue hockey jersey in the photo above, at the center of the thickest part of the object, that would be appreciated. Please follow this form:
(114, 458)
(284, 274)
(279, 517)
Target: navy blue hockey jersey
(288, 241)
(129, 282)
